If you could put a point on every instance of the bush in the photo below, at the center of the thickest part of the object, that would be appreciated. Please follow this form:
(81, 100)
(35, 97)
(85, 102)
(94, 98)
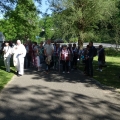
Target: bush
(112, 52)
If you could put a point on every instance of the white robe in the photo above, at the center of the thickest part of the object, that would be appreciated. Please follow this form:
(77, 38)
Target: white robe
(19, 52)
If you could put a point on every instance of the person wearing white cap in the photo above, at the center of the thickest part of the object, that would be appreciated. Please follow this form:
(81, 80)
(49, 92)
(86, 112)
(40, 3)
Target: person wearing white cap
(18, 58)
(7, 56)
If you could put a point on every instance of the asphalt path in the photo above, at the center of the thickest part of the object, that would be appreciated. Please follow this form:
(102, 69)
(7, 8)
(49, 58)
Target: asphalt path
(58, 96)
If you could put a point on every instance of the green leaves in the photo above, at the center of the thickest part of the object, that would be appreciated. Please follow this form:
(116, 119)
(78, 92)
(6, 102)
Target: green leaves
(23, 21)
(75, 18)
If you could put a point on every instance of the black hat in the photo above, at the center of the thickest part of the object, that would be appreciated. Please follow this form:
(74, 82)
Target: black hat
(6, 41)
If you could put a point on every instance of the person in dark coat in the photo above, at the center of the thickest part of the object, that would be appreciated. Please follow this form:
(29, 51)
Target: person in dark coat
(101, 57)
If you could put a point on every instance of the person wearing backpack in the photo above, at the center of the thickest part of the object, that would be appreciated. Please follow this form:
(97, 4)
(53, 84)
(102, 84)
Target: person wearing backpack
(65, 57)
(91, 54)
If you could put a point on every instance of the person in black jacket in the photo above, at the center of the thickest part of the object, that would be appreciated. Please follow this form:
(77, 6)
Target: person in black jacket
(101, 57)
(90, 57)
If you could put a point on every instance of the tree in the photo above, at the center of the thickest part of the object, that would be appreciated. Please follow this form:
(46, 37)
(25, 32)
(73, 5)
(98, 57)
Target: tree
(46, 23)
(77, 18)
(25, 19)
(8, 29)
(6, 5)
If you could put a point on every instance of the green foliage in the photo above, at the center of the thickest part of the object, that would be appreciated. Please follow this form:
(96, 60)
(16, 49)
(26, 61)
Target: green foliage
(46, 23)
(110, 74)
(112, 52)
(74, 18)
(22, 22)
(8, 29)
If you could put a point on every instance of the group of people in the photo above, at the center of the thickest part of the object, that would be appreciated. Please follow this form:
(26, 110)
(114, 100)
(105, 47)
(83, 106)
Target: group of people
(52, 55)
(88, 55)
(18, 52)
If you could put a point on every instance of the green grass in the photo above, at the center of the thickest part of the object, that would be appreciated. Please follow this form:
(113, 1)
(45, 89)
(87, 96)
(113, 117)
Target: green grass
(110, 74)
(5, 77)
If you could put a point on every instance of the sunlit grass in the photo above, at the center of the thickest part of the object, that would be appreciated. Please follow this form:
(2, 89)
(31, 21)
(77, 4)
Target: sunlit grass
(110, 74)
(5, 77)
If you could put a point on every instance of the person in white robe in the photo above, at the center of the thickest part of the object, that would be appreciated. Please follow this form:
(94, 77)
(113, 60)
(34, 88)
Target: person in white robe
(7, 55)
(19, 52)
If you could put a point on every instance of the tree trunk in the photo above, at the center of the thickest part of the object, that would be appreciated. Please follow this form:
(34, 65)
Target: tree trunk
(80, 43)
(80, 39)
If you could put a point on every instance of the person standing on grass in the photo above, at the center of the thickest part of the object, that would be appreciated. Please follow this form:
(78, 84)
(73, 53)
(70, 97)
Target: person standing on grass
(101, 57)
(19, 54)
(48, 51)
(90, 59)
(86, 60)
(7, 55)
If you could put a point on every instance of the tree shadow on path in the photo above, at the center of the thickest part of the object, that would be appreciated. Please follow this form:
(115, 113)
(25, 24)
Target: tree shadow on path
(43, 103)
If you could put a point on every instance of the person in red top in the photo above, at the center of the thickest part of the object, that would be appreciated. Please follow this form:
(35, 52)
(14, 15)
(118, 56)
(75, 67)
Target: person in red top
(65, 57)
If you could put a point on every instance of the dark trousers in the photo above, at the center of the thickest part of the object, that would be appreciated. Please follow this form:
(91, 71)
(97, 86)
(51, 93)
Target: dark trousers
(29, 58)
(90, 69)
(65, 65)
(74, 62)
(86, 69)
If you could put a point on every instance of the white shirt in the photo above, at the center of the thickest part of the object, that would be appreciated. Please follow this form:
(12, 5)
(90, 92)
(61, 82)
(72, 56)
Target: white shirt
(49, 49)
(7, 51)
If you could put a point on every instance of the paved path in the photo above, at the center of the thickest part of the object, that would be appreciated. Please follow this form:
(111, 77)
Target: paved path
(57, 96)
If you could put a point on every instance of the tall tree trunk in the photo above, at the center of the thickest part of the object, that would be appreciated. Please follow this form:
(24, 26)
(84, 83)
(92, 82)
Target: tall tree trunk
(80, 42)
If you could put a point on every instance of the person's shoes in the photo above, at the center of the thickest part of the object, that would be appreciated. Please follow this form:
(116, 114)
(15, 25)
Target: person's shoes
(63, 71)
(68, 72)
(19, 75)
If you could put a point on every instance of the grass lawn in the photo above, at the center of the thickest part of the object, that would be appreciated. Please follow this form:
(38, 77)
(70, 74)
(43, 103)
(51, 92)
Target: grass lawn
(110, 74)
(5, 77)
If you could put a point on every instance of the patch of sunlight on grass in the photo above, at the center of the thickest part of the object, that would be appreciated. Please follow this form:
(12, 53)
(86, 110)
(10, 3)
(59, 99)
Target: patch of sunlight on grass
(110, 74)
(5, 77)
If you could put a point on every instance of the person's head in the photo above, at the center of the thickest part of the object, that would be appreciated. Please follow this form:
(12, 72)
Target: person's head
(18, 42)
(74, 45)
(87, 47)
(6, 43)
(49, 41)
(70, 45)
(41, 44)
(64, 47)
(90, 43)
(100, 46)
(35, 43)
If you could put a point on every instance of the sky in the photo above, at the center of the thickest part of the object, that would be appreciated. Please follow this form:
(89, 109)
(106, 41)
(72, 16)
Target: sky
(42, 8)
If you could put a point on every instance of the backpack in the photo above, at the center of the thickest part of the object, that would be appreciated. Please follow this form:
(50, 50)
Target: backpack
(94, 51)
(65, 55)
